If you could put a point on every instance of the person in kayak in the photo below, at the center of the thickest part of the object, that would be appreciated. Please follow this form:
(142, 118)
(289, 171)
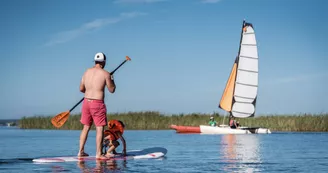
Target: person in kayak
(112, 135)
(212, 122)
(94, 110)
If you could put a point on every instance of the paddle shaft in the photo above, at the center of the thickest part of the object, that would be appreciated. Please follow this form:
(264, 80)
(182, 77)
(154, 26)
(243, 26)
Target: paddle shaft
(118, 67)
(76, 105)
(110, 73)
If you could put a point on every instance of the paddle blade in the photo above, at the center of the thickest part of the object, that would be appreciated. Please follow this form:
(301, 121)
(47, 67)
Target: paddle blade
(128, 58)
(60, 119)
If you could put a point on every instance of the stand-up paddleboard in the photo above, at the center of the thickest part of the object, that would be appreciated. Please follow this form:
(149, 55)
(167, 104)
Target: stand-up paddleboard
(148, 153)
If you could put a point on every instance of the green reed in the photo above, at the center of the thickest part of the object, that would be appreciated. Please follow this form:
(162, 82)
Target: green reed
(152, 120)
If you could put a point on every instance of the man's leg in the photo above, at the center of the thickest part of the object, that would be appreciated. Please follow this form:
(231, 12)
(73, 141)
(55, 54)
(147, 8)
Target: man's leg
(99, 141)
(86, 120)
(83, 139)
(100, 120)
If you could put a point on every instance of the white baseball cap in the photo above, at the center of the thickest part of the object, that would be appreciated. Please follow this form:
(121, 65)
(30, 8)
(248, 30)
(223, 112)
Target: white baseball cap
(100, 57)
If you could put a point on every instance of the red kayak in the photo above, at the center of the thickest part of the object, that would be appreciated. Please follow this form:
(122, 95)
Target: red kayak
(186, 129)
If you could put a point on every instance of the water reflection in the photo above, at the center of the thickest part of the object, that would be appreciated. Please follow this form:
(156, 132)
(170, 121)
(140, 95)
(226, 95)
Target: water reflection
(240, 153)
(102, 166)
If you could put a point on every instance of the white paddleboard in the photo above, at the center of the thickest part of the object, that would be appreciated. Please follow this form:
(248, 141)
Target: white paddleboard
(148, 153)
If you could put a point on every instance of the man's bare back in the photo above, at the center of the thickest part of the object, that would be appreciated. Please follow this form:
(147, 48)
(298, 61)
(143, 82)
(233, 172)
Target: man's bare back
(94, 81)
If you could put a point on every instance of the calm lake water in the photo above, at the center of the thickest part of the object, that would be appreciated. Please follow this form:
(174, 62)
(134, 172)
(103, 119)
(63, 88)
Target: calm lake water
(277, 152)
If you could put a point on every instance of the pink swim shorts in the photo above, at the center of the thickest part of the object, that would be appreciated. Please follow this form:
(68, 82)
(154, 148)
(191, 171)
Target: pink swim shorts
(93, 111)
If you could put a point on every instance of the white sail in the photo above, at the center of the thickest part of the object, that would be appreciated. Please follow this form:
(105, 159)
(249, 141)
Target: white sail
(246, 84)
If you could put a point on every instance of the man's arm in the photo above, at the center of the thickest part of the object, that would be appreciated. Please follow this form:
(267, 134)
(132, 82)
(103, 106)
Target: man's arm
(82, 86)
(110, 83)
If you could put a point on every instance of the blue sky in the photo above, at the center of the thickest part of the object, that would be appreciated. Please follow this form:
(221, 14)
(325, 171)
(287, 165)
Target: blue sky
(182, 52)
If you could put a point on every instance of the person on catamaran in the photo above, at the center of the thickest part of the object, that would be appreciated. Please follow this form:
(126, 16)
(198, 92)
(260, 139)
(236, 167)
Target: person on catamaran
(112, 135)
(232, 123)
(212, 122)
(94, 110)
(237, 123)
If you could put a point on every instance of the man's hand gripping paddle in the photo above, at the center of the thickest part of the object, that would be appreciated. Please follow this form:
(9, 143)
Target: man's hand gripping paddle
(60, 119)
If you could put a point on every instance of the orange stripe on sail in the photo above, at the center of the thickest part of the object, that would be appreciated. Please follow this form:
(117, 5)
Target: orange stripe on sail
(226, 100)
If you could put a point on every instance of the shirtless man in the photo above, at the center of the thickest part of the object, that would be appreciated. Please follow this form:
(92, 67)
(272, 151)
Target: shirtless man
(94, 109)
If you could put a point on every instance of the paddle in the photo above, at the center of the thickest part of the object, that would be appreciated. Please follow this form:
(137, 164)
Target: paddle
(60, 119)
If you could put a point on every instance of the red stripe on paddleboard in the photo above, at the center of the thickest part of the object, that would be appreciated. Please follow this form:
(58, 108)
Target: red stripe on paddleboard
(94, 158)
(86, 158)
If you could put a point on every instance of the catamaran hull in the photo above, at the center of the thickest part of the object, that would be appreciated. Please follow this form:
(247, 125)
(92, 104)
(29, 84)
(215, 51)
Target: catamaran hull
(186, 129)
(222, 130)
(219, 130)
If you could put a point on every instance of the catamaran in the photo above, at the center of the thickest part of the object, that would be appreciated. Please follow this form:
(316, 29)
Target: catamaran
(240, 94)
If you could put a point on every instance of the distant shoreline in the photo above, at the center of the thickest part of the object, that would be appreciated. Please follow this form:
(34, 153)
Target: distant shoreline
(150, 120)
(9, 122)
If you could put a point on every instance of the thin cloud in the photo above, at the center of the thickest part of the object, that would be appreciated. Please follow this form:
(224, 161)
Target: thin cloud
(138, 1)
(69, 35)
(210, 1)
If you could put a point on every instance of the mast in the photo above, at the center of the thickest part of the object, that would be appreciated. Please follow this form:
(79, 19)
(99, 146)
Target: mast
(231, 81)
(236, 61)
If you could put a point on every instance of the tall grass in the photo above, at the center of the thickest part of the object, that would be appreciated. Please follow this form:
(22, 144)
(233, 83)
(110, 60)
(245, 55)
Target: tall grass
(151, 120)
